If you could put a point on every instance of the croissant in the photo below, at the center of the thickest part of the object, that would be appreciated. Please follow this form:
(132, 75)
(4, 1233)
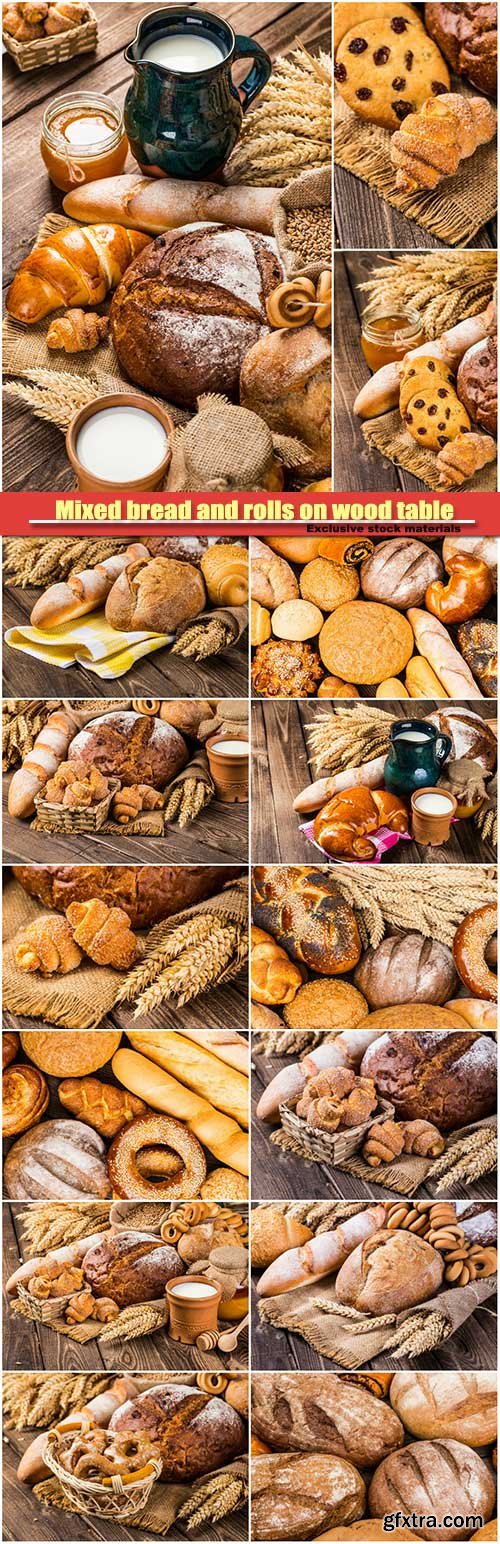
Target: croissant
(17, 26)
(129, 802)
(383, 1144)
(344, 825)
(80, 1307)
(421, 1137)
(76, 266)
(47, 946)
(462, 457)
(77, 331)
(104, 933)
(62, 18)
(431, 143)
(225, 571)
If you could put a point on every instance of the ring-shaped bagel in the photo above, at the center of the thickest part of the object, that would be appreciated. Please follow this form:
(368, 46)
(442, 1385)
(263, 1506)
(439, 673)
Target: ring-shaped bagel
(147, 1131)
(469, 944)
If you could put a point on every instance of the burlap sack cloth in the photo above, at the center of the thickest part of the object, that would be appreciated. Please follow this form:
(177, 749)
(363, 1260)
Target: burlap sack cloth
(407, 1173)
(352, 1339)
(390, 437)
(454, 211)
(313, 190)
(165, 1501)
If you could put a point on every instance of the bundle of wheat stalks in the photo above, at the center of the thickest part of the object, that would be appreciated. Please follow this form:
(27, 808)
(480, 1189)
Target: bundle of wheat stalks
(214, 1498)
(46, 1227)
(405, 900)
(291, 129)
(40, 1398)
(22, 720)
(42, 560)
(347, 737)
(444, 289)
(184, 960)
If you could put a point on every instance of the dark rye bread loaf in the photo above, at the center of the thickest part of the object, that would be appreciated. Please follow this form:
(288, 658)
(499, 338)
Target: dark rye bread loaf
(131, 1267)
(313, 1412)
(438, 1075)
(183, 319)
(197, 1432)
(435, 1480)
(146, 894)
(132, 747)
(467, 36)
(477, 384)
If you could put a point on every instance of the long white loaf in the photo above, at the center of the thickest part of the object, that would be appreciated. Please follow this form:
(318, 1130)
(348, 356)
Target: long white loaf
(48, 750)
(322, 1255)
(434, 643)
(381, 392)
(369, 775)
(143, 204)
(222, 1135)
(84, 591)
(226, 1044)
(226, 1089)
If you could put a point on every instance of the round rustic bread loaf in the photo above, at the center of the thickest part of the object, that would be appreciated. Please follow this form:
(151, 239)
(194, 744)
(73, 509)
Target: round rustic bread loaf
(399, 571)
(147, 894)
(472, 738)
(131, 1267)
(414, 1016)
(467, 36)
(406, 968)
(313, 1412)
(183, 319)
(449, 1079)
(435, 1480)
(294, 1493)
(462, 1405)
(197, 1432)
(389, 1272)
(364, 642)
(61, 1160)
(370, 1528)
(132, 747)
(62, 1056)
(477, 384)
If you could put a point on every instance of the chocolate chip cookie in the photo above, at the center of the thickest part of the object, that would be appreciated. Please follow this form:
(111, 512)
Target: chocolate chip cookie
(387, 69)
(435, 417)
(422, 374)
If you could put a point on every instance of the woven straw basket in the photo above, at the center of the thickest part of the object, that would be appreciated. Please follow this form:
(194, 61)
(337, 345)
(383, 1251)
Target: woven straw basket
(54, 817)
(330, 1146)
(43, 52)
(115, 1500)
(44, 1310)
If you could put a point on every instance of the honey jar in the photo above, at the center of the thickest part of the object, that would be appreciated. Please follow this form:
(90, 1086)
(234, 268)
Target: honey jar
(83, 138)
(388, 334)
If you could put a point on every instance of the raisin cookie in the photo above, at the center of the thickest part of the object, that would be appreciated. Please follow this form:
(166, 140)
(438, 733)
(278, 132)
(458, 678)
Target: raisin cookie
(347, 15)
(387, 69)
(436, 416)
(423, 374)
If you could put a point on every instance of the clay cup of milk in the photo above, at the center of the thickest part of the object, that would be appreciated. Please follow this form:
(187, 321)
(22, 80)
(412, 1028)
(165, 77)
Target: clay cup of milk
(120, 442)
(228, 762)
(193, 1305)
(432, 811)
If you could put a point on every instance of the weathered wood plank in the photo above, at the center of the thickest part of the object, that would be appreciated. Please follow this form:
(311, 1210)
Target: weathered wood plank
(364, 220)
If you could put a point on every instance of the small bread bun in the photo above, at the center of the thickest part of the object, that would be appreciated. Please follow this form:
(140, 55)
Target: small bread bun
(297, 620)
(224, 1185)
(325, 1004)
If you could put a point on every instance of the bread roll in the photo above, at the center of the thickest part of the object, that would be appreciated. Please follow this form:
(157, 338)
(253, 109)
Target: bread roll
(407, 968)
(462, 1405)
(389, 1272)
(287, 379)
(313, 1412)
(293, 1494)
(273, 1233)
(421, 681)
(414, 1016)
(436, 1480)
(369, 1528)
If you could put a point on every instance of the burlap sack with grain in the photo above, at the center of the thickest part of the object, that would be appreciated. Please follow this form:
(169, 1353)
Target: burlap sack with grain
(313, 190)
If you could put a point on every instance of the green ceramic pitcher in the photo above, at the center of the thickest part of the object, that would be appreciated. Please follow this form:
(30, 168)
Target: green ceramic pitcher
(416, 757)
(185, 122)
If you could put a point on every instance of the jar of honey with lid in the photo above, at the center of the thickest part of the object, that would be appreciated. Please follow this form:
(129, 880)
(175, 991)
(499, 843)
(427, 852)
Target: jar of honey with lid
(388, 333)
(83, 138)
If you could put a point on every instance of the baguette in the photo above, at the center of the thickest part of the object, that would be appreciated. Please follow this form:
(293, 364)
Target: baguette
(346, 1050)
(74, 267)
(369, 775)
(381, 392)
(219, 1133)
(157, 206)
(83, 592)
(421, 680)
(434, 643)
(226, 1044)
(226, 1089)
(47, 752)
(322, 1255)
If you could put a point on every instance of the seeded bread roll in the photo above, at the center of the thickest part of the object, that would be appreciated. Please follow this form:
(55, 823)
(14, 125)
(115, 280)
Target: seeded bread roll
(462, 1405)
(312, 1412)
(449, 1079)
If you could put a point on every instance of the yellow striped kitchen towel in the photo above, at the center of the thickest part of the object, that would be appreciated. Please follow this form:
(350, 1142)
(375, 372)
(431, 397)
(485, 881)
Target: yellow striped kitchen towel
(88, 641)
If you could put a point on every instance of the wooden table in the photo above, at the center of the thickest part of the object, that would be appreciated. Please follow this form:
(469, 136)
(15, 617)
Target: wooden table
(161, 675)
(364, 220)
(29, 1344)
(220, 834)
(24, 1518)
(280, 1176)
(280, 769)
(34, 454)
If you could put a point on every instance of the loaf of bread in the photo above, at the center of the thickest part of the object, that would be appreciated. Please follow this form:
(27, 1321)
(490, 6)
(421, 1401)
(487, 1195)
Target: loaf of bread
(304, 910)
(294, 1494)
(406, 968)
(414, 1016)
(447, 1078)
(61, 1160)
(286, 378)
(102, 1106)
(467, 36)
(147, 894)
(448, 1479)
(315, 1412)
(477, 384)
(132, 747)
(398, 572)
(365, 642)
(197, 1432)
(186, 314)
(434, 642)
(462, 1405)
(62, 1056)
(221, 1085)
(472, 738)
(155, 596)
(155, 206)
(389, 1272)
(130, 1267)
(322, 1256)
(41, 762)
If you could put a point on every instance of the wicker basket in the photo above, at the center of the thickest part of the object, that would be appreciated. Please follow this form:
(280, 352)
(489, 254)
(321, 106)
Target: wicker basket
(46, 51)
(54, 817)
(44, 1310)
(330, 1146)
(115, 1500)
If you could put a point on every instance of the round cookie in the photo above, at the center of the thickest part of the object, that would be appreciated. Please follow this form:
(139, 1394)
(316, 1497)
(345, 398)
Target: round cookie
(351, 13)
(365, 641)
(424, 372)
(387, 69)
(436, 416)
(328, 584)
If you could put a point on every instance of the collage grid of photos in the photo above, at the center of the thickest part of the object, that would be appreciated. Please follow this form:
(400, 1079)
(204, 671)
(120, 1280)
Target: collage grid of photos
(249, 969)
